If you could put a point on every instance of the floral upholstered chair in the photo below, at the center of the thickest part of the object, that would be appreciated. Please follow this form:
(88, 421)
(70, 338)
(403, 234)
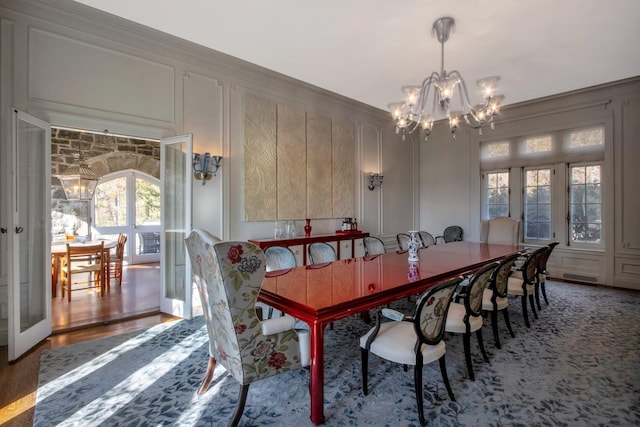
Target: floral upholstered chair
(228, 276)
(495, 299)
(415, 340)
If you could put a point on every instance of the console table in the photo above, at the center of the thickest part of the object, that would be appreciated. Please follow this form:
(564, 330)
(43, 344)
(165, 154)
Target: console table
(347, 245)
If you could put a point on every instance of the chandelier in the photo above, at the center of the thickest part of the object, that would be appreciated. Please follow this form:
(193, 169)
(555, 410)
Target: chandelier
(436, 97)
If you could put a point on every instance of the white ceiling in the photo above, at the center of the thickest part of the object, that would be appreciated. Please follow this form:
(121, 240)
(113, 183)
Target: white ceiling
(368, 49)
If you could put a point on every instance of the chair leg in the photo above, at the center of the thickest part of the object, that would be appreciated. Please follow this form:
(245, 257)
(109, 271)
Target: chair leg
(505, 314)
(466, 338)
(544, 292)
(494, 326)
(365, 367)
(242, 399)
(533, 306)
(204, 385)
(445, 378)
(481, 345)
(524, 311)
(417, 380)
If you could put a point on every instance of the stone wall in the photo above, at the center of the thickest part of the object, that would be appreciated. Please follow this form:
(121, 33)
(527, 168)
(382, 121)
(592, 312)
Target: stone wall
(105, 154)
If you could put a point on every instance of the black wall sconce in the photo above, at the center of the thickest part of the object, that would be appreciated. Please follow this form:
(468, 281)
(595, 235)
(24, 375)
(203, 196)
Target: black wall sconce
(375, 180)
(205, 166)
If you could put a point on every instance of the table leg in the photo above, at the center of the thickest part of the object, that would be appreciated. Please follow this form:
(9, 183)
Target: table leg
(55, 272)
(316, 382)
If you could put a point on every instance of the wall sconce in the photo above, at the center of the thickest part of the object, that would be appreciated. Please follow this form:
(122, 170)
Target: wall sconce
(205, 166)
(375, 180)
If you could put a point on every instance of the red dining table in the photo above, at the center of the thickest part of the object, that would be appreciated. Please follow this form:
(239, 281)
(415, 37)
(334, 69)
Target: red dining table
(323, 293)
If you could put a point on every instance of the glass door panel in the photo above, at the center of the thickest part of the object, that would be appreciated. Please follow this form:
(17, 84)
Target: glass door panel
(29, 242)
(176, 297)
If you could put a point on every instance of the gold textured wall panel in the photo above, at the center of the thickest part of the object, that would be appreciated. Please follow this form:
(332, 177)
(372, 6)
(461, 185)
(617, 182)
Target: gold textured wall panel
(342, 168)
(291, 163)
(319, 193)
(260, 169)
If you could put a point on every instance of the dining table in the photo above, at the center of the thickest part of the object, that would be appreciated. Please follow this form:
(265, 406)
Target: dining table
(59, 250)
(320, 294)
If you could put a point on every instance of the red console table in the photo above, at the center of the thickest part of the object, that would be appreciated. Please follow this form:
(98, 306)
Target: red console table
(304, 241)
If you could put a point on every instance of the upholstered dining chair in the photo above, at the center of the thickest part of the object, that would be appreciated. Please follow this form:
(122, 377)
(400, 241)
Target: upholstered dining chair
(426, 238)
(466, 317)
(86, 262)
(525, 287)
(403, 241)
(503, 230)
(116, 259)
(415, 340)
(228, 276)
(321, 252)
(276, 258)
(542, 272)
(495, 298)
(373, 246)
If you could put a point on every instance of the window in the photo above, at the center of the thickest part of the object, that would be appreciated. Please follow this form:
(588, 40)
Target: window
(585, 203)
(497, 194)
(537, 204)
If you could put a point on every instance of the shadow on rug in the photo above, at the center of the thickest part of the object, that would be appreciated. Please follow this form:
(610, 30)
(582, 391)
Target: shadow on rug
(577, 365)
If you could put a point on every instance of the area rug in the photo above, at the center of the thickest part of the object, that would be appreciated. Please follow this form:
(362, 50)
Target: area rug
(578, 365)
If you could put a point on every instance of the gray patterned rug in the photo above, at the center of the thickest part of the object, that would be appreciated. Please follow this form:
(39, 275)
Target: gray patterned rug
(578, 365)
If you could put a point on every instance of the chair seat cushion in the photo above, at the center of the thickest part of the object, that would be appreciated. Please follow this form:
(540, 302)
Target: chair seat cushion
(514, 287)
(396, 342)
(517, 274)
(455, 320)
(487, 305)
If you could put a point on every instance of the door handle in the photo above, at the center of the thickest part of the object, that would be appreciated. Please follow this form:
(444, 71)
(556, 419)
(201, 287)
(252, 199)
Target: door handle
(19, 230)
(3, 230)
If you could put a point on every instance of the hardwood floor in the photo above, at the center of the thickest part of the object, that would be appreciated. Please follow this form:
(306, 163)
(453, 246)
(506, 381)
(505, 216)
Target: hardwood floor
(139, 295)
(133, 306)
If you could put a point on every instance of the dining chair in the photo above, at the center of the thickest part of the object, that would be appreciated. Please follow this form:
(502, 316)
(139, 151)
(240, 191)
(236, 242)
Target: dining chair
(373, 246)
(503, 230)
(495, 299)
(403, 241)
(276, 258)
(86, 263)
(412, 340)
(452, 233)
(466, 317)
(426, 238)
(229, 276)
(542, 272)
(117, 258)
(525, 287)
(321, 252)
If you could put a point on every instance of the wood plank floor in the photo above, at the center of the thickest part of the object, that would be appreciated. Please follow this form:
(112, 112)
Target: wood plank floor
(133, 306)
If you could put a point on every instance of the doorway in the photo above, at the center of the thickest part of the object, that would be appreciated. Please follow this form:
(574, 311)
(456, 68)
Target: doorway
(129, 172)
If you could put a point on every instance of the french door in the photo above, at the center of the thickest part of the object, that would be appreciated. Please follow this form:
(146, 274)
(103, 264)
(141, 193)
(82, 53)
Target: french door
(28, 241)
(175, 176)
(128, 202)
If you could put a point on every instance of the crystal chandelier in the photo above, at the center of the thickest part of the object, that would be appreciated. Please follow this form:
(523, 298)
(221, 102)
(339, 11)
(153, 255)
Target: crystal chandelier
(435, 97)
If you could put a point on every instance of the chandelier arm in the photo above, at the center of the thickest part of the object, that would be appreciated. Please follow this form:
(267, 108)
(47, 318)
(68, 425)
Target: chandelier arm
(426, 87)
(464, 94)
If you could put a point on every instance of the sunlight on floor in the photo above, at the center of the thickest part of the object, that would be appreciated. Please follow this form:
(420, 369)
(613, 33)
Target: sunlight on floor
(87, 369)
(17, 407)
